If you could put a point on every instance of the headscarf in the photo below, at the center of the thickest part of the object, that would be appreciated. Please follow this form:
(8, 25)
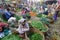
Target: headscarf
(1, 20)
(22, 20)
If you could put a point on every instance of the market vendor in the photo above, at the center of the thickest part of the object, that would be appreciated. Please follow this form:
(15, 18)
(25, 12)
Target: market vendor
(2, 26)
(23, 27)
(7, 14)
(23, 12)
(12, 21)
(1, 9)
(41, 10)
(27, 9)
(57, 9)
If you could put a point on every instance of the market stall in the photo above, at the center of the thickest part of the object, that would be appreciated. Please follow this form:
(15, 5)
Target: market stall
(29, 20)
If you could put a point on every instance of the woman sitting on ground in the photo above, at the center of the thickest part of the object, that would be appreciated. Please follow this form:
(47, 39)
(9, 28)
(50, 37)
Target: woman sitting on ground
(23, 27)
(3, 26)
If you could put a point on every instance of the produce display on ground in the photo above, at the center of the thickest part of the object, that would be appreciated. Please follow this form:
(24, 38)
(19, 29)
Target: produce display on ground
(12, 37)
(41, 15)
(28, 16)
(17, 17)
(35, 36)
(2, 18)
(39, 25)
(18, 10)
(45, 20)
(40, 20)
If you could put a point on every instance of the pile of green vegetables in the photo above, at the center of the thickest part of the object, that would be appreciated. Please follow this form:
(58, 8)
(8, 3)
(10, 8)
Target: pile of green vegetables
(35, 36)
(28, 16)
(18, 10)
(41, 15)
(17, 17)
(12, 37)
(45, 20)
(33, 9)
(32, 36)
(39, 25)
(2, 18)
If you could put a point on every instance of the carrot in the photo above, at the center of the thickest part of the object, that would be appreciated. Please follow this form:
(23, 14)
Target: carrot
(32, 14)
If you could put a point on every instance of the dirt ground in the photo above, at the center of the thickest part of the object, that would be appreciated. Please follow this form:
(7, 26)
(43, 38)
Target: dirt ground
(54, 31)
